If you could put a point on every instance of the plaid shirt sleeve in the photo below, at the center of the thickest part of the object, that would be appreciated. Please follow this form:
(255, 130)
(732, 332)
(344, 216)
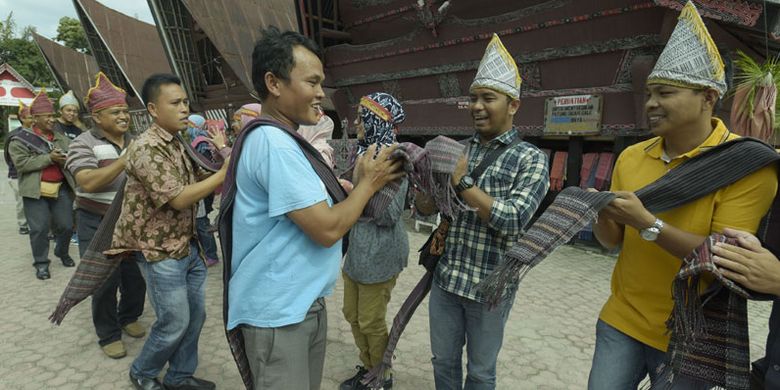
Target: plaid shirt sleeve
(510, 214)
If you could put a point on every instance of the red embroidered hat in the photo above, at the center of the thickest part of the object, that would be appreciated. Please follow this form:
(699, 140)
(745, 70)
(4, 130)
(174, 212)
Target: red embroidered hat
(41, 104)
(104, 94)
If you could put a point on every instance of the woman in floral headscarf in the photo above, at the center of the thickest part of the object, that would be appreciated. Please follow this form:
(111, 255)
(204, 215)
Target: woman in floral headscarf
(378, 248)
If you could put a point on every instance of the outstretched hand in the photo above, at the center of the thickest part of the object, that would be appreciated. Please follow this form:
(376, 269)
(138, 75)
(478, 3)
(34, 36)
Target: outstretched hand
(379, 171)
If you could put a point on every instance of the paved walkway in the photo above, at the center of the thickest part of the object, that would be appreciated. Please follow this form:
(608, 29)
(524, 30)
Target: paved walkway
(548, 343)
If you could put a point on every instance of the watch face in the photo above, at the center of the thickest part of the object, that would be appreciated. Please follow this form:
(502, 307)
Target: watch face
(468, 181)
(649, 234)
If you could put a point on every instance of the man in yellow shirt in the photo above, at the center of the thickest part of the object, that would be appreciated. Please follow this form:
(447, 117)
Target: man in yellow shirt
(631, 334)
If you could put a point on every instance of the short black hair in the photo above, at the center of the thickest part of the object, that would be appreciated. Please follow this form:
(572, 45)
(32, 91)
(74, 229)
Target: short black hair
(274, 53)
(151, 89)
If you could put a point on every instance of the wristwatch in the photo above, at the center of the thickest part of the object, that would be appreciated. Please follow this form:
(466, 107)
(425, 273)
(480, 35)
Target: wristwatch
(651, 233)
(465, 183)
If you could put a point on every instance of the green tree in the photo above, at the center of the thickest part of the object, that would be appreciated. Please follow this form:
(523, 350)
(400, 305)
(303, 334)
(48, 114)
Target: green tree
(21, 52)
(71, 34)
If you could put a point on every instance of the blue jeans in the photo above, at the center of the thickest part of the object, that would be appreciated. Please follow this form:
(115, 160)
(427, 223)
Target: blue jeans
(453, 320)
(621, 362)
(206, 238)
(176, 290)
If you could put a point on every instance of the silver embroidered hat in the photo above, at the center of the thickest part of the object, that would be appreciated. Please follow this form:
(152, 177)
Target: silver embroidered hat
(498, 70)
(690, 58)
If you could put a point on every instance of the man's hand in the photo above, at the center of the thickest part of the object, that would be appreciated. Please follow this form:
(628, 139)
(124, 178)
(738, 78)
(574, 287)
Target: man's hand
(379, 171)
(627, 209)
(748, 264)
(460, 170)
(58, 157)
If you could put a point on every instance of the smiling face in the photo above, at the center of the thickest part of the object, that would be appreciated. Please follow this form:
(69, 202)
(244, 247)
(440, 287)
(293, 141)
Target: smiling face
(44, 122)
(113, 120)
(69, 113)
(492, 112)
(171, 108)
(670, 108)
(300, 97)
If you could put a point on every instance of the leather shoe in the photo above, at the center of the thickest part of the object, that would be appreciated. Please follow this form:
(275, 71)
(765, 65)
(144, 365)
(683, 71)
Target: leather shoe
(145, 383)
(67, 261)
(192, 383)
(42, 272)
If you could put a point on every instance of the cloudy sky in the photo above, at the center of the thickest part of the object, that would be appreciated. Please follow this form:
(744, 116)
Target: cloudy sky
(45, 14)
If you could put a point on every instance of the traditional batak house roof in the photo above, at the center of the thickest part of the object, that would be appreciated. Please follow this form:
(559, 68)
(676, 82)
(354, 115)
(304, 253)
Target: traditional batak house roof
(127, 50)
(71, 70)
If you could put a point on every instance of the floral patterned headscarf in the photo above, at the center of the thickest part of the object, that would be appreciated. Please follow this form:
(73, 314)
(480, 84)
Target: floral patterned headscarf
(380, 113)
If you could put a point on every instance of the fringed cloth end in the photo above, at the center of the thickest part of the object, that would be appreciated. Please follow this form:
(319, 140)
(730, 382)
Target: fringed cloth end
(92, 272)
(375, 377)
(687, 320)
(445, 197)
(62, 309)
(571, 210)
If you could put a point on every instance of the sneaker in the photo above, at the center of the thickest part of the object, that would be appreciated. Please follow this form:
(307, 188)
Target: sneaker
(385, 386)
(211, 262)
(115, 350)
(353, 382)
(134, 329)
(74, 240)
(24, 230)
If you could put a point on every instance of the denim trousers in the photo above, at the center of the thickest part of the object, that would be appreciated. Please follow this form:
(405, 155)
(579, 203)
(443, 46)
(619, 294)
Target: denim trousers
(206, 238)
(456, 321)
(620, 362)
(39, 212)
(176, 290)
(108, 314)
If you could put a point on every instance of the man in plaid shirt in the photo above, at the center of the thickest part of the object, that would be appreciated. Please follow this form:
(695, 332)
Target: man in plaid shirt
(505, 197)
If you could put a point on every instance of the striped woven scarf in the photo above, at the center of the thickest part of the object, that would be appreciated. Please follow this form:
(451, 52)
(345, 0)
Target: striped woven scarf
(724, 310)
(574, 208)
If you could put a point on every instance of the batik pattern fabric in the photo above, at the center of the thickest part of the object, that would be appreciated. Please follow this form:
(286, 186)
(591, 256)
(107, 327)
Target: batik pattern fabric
(690, 58)
(381, 114)
(158, 169)
(498, 70)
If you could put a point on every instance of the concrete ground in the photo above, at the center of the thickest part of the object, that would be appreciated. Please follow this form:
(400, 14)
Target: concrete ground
(548, 342)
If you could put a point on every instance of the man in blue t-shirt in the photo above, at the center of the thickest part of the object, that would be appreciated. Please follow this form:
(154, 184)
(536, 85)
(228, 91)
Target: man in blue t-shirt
(286, 247)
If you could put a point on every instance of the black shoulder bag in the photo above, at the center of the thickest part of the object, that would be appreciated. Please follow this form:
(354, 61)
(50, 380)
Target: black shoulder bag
(433, 249)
